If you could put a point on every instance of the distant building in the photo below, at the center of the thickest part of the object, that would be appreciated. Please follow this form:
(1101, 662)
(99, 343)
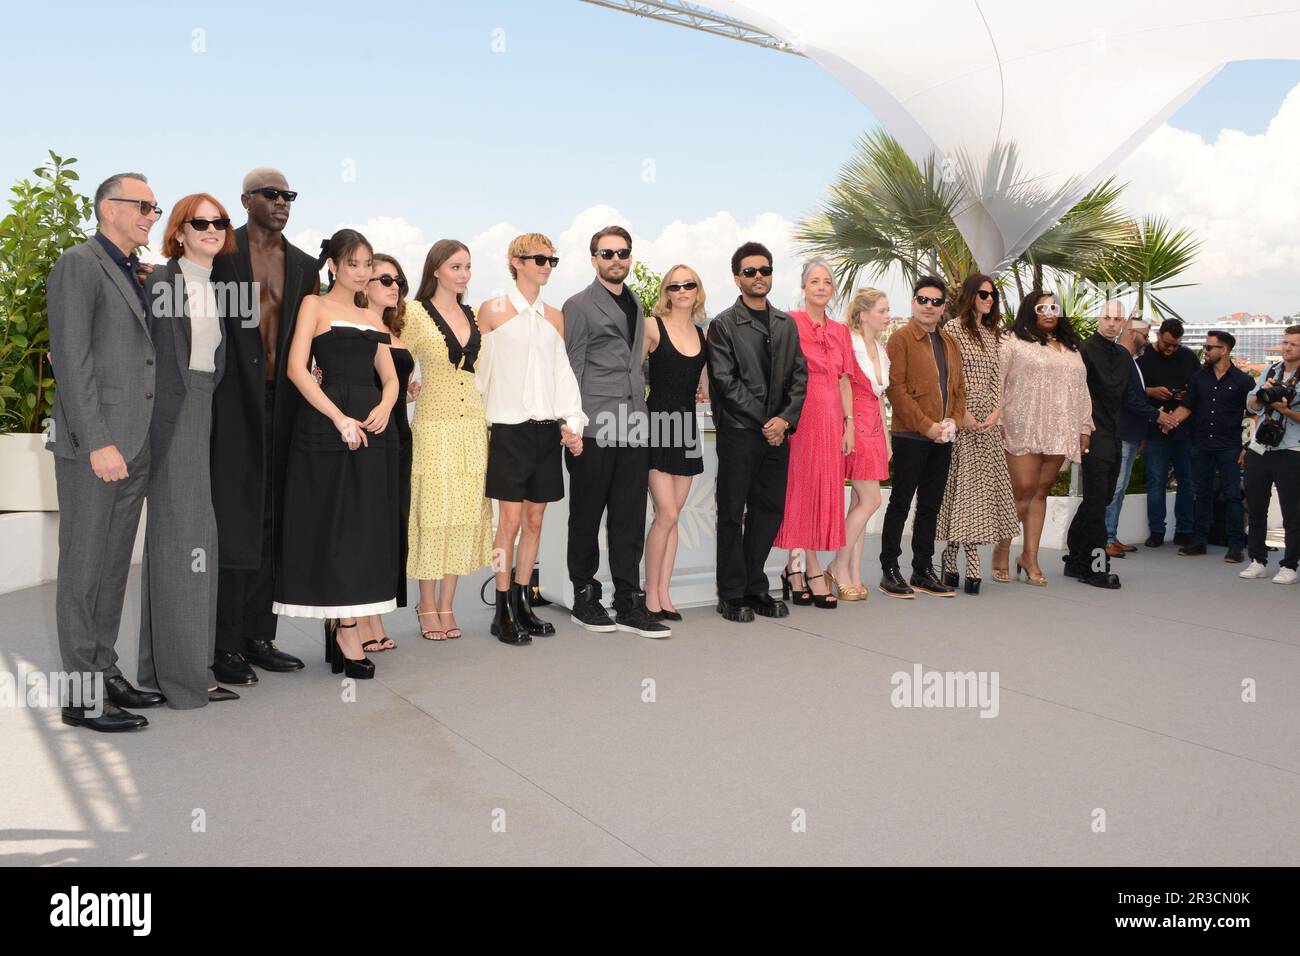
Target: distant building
(1259, 337)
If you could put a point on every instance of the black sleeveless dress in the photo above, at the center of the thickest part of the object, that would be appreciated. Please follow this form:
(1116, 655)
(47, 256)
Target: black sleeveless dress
(675, 435)
(338, 553)
(400, 449)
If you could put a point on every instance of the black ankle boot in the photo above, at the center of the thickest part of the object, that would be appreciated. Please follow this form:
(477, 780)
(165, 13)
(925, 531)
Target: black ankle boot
(503, 624)
(525, 620)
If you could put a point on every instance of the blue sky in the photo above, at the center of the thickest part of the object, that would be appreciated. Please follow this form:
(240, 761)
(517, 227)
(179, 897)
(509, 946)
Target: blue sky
(406, 110)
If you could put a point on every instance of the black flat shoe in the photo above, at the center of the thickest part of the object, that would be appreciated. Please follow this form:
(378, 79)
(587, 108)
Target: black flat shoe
(111, 720)
(1101, 579)
(1154, 541)
(231, 668)
(670, 615)
(1233, 556)
(735, 610)
(269, 657)
(766, 605)
(220, 693)
(1189, 550)
(123, 694)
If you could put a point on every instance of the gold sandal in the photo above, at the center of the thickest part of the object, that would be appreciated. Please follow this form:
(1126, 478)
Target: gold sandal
(850, 592)
(425, 632)
(451, 636)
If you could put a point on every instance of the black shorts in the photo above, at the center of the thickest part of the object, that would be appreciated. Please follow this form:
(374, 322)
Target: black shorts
(523, 462)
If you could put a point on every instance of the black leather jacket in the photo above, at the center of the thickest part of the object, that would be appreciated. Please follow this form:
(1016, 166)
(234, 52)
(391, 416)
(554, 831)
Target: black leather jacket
(741, 397)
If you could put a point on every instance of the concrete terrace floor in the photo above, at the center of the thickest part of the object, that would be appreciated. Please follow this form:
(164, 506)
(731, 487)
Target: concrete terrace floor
(1127, 702)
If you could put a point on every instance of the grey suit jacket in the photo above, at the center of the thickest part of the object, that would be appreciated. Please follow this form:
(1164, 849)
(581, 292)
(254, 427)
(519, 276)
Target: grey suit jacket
(102, 355)
(607, 365)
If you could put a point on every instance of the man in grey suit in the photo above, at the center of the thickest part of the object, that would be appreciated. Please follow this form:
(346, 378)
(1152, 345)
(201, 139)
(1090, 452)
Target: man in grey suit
(604, 333)
(103, 361)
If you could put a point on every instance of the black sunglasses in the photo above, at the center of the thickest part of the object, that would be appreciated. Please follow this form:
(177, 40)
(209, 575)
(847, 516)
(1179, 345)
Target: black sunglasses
(146, 205)
(751, 271)
(388, 281)
(542, 260)
(986, 294)
(203, 225)
(680, 286)
(608, 254)
(270, 192)
(929, 300)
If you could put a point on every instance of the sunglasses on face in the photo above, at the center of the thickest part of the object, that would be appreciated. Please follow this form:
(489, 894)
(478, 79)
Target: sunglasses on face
(680, 286)
(146, 205)
(608, 254)
(1047, 308)
(388, 281)
(752, 271)
(271, 193)
(986, 294)
(203, 225)
(541, 260)
(929, 300)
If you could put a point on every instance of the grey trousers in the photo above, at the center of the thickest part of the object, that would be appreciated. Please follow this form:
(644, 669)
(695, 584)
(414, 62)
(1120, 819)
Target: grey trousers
(97, 526)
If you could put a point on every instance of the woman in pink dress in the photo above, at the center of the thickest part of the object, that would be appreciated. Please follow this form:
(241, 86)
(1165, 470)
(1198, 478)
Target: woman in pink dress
(814, 495)
(1046, 413)
(868, 464)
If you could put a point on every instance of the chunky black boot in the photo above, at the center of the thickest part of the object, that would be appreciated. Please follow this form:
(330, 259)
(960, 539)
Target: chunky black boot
(503, 624)
(525, 620)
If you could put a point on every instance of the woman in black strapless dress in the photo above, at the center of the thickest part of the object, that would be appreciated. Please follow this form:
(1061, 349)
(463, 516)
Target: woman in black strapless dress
(676, 346)
(337, 556)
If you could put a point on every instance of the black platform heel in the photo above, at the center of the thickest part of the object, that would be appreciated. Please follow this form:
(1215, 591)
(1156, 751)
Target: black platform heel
(826, 601)
(788, 593)
(951, 579)
(339, 663)
(972, 585)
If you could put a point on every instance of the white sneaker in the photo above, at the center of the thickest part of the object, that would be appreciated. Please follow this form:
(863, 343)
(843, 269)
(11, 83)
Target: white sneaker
(1285, 576)
(1253, 570)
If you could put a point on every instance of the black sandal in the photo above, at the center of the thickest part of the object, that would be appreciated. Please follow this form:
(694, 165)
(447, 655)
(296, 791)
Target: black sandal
(454, 631)
(425, 631)
(827, 601)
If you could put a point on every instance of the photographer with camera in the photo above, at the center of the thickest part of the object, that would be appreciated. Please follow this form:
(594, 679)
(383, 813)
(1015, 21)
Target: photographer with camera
(1273, 459)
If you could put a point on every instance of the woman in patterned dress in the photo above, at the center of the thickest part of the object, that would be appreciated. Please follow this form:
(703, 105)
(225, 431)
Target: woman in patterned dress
(450, 527)
(977, 504)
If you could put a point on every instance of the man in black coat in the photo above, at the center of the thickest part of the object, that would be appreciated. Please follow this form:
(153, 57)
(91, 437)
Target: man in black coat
(254, 408)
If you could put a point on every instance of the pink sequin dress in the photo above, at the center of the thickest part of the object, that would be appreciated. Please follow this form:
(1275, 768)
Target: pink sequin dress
(814, 491)
(1045, 400)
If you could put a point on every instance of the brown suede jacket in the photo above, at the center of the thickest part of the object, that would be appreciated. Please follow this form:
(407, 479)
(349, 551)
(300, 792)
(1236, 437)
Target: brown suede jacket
(914, 380)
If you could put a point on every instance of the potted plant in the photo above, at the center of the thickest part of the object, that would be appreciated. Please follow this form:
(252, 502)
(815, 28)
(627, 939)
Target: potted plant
(45, 218)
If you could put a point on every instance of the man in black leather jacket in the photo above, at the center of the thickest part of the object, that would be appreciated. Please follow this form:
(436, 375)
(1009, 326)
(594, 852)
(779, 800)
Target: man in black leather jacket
(757, 380)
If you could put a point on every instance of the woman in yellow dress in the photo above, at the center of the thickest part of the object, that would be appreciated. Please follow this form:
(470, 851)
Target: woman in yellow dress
(450, 527)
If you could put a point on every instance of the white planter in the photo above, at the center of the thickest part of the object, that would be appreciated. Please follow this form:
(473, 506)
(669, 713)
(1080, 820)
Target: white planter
(26, 474)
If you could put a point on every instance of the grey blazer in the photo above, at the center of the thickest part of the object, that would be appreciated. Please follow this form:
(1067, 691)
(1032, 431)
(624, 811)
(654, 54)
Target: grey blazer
(607, 365)
(102, 355)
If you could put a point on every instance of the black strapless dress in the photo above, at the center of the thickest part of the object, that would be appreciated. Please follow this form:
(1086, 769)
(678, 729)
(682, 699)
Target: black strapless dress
(400, 449)
(338, 553)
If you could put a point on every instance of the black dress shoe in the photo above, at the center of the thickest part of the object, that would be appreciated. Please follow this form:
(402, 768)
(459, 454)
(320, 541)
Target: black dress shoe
(1155, 541)
(892, 583)
(735, 609)
(1184, 537)
(588, 612)
(221, 693)
(669, 616)
(1192, 549)
(123, 694)
(1233, 556)
(1101, 579)
(269, 657)
(231, 668)
(112, 719)
(929, 583)
(1072, 569)
(766, 605)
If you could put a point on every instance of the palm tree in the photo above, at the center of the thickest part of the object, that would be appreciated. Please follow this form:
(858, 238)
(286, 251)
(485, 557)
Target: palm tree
(1144, 266)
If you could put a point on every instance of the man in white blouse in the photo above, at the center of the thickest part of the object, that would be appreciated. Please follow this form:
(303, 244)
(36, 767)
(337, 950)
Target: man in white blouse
(533, 409)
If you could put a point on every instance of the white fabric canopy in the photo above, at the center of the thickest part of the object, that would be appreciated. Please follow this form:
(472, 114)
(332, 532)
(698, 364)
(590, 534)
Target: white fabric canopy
(1069, 90)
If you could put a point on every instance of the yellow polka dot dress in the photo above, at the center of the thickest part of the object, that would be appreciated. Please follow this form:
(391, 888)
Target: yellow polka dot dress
(450, 527)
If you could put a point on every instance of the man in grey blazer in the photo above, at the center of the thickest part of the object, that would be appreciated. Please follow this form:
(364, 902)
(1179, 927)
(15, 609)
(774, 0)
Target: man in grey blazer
(604, 332)
(103, 359)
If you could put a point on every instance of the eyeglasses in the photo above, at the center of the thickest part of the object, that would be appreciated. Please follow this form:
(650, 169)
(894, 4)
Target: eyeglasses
(1047, 308)
(752, 271)
(680, 286)
(608, 254)
(203, 225)
(146, 205)
(388, 281)
(929, 300)
(986, 294)
(541, 260)
(271, 193)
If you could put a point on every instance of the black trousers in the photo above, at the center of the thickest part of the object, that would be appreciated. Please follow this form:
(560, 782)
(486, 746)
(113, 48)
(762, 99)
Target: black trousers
(920, 471)
(244, 597)
(1098, 473)
(751, 502)
(613, 478)
(1280, 468)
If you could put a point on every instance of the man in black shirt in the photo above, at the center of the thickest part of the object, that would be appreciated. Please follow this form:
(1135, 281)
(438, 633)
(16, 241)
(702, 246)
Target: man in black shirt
(1216, 403)
(1167, 368)
(1109, 366)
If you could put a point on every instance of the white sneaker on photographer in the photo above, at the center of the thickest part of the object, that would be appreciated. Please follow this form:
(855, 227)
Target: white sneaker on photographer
(1254, 570)
(1285, 576)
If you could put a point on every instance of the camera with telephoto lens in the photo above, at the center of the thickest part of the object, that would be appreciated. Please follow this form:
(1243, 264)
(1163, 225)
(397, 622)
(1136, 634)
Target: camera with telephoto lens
(1272, 429)
(1281, 392)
